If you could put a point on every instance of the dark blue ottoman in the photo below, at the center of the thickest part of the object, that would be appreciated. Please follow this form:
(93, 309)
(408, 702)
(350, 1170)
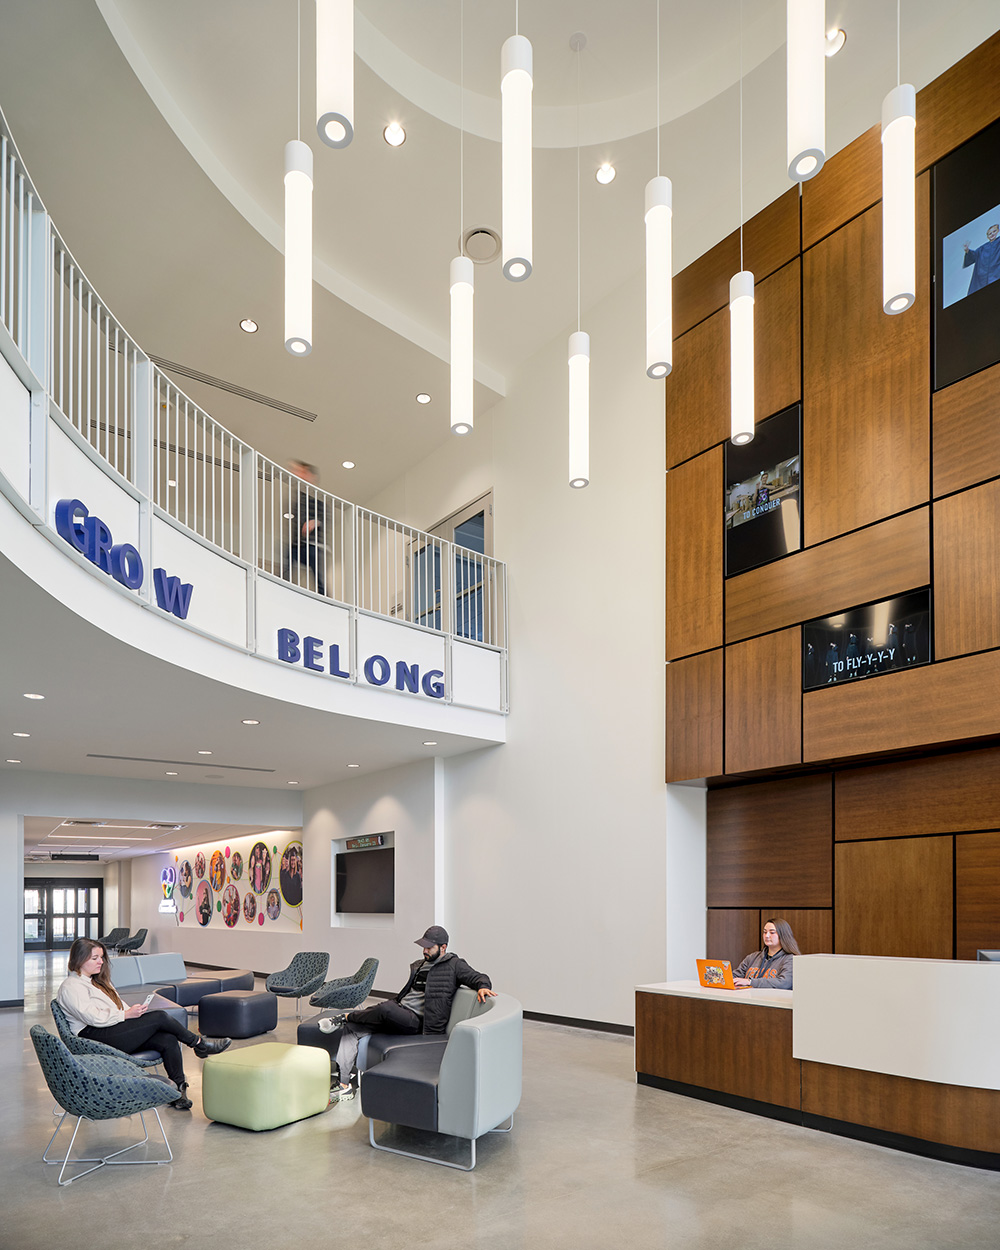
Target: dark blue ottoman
(237, 1013)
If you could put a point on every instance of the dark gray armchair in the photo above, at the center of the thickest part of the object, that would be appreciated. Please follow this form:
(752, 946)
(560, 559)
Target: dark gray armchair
(132, 945)
(347, 992)
(303, 976)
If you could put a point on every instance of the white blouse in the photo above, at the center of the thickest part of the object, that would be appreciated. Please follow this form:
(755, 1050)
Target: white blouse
(87, 1004)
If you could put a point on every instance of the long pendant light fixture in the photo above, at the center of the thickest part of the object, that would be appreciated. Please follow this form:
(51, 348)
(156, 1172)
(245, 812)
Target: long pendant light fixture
(335, 71)
(579, 341)
(462, 345)
(298, 237)
(515, 154)
(899, 232)
(659, 255)
(805, 67)
(741, 298)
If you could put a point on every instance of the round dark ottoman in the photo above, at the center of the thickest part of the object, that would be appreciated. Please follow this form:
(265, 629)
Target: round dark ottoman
(237, 1013)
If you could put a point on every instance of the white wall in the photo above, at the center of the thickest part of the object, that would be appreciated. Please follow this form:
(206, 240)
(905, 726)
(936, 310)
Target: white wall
(401, 800)
(556, 858)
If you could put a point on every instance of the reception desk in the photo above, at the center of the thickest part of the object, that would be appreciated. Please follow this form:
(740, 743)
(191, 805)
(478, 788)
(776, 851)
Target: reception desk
(903, 1052)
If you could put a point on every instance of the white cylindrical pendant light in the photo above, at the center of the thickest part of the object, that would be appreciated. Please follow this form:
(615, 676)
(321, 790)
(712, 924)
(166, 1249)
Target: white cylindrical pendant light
(335, 71)
(659, 277)
(579, 409)
(515, 156)
(298, 247)
(461, 345)
(741, 398)
(899, 239)
(805, 64)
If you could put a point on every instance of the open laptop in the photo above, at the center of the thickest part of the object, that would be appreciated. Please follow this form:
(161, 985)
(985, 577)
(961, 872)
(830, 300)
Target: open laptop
(717, 974)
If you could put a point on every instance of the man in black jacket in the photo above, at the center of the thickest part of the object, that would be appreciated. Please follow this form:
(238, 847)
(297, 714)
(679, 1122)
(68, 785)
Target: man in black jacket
(305, 527)
(423, 1005)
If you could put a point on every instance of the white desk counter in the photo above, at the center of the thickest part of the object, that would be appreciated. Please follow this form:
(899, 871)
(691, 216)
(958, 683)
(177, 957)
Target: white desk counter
(694, 989)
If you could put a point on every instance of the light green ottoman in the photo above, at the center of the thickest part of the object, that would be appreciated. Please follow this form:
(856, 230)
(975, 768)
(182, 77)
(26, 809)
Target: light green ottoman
(265, 1086)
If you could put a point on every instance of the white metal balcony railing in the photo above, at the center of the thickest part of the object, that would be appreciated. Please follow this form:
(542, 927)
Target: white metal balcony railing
(197, 472)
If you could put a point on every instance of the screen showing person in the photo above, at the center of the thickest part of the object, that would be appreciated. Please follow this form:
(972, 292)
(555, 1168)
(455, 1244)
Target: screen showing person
(761, 503)
(864, 642)
(971, 257)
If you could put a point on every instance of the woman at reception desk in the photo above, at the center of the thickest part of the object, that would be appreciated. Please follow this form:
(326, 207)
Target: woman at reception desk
(770, 968)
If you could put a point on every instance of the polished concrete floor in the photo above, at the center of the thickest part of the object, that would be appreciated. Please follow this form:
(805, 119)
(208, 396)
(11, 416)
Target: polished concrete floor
(594, 1161)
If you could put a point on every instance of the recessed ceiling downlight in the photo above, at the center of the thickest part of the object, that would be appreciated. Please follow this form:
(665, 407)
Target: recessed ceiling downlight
(347, 464)
(835, 40)
(248, 325)
(20, 734)
(605, 174)
(423, 398)
(394, 135)
(34, 696)
(250, 722)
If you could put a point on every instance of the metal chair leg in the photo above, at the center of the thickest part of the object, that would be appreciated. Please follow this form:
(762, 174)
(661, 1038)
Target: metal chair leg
(409, 1154)
(99, 1160)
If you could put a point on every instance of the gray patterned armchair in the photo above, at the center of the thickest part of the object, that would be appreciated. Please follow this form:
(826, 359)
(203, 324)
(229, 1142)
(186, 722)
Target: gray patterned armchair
(84, 1046)
(347, 992)
(98, 1087)
(302, 977)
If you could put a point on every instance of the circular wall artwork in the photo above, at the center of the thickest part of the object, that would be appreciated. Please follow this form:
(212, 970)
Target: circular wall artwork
(199, 865)
(185, 878)
(249, 907)
(203, 903)
(273, 905)
(290, 874)
(217, 871)
(259, 868)
(236, 866)
(231, 906)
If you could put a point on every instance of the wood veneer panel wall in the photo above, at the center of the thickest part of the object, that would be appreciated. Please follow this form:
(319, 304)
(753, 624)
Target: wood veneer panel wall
(966, 432)
(959, 103)
(698, 387)
(813, 929)
(866, 420)
(770, 240)
(764, 702)
(954, 1115)
(770, 844)
(694, 717)
(694, 555)
(732, 933)
(873, 563)
(940, 794)
(967, 571)
(952, 702)
(849, 182)
(894, 897)
(977, 893)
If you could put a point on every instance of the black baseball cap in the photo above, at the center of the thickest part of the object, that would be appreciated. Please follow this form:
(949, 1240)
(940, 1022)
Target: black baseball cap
(435, 936)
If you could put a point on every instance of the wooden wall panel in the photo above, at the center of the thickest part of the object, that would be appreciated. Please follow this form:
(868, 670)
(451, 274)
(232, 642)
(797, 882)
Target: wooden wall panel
(770, 844)
(977, 893)
(732, 933)
(694, 717)
(966, 432)
(866, 418)
(849, 182)
(770, 240)
(954, 1115)
(748, 1052)
(874, 563)
(940, 794)
(694, 555)
(894, 897)
(764, 702)
(813, 929)
(698, 387)
(967, 571)
(959, 103)
(952, 702)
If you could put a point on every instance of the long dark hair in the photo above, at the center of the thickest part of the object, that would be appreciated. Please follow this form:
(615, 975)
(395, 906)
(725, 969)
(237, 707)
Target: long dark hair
(80, 952)
(786, 936)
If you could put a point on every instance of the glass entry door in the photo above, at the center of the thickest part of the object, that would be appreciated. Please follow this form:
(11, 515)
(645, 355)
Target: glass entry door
(59, 910)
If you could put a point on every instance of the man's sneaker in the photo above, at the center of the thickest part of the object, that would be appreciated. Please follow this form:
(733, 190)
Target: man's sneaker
(329, 1024)
(343, 1092)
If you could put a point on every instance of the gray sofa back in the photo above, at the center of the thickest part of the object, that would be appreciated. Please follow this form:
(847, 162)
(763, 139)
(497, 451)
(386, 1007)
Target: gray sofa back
(479, 1085)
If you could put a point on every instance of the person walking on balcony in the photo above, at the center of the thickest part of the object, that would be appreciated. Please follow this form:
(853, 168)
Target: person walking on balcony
(306, 520)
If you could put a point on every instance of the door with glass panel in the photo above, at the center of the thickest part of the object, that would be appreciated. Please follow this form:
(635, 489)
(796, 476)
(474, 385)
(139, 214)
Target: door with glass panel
(59, 910)
(471, 529)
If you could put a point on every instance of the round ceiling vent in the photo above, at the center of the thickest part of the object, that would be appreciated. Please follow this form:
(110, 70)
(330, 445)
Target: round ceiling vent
(480, 244)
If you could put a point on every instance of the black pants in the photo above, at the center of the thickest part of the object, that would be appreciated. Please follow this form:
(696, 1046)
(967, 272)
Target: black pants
(385, 1017)
(312, 556)
(156, 1030)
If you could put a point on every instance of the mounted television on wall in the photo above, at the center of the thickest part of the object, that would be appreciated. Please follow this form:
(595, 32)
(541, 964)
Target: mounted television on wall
(366, 881)
(864, 642)
(762, 501)
(967, 259)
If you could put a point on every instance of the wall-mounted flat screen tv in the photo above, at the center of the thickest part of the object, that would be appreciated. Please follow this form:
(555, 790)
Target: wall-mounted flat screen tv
(762, 503)
(967, 258)
(864, 642)
(366, 881)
